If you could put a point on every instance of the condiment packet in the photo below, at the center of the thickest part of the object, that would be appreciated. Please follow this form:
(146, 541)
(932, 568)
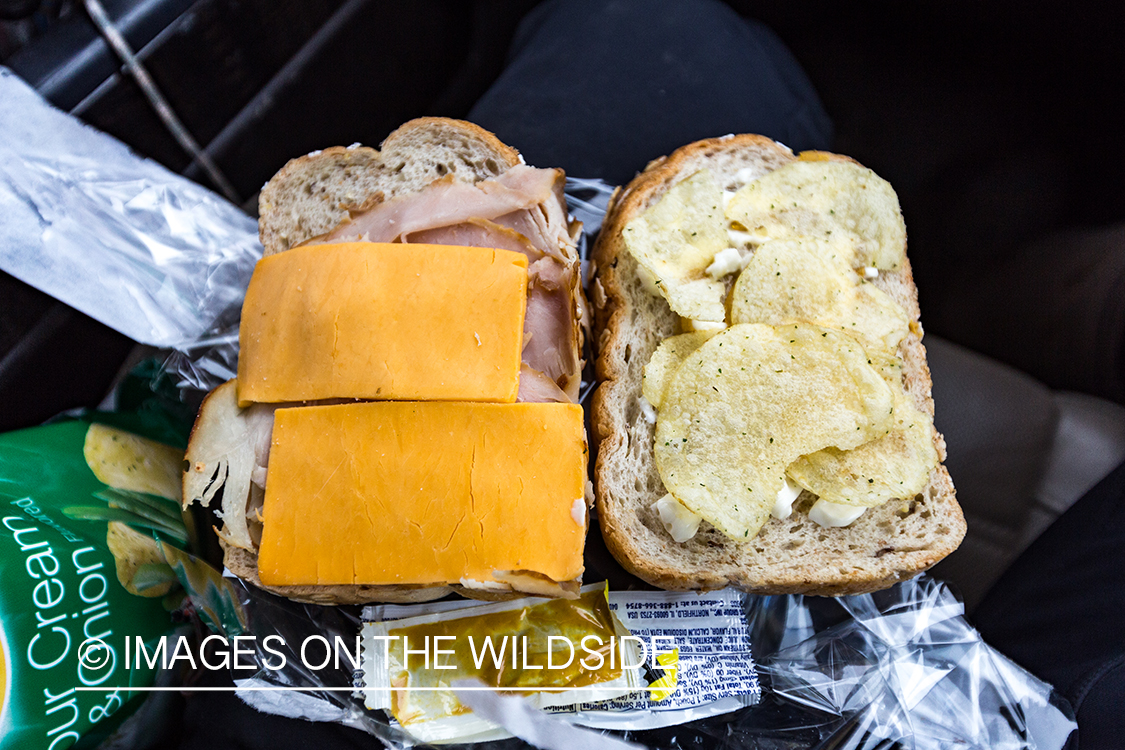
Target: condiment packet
(696, 649)
(713, 671)
(556, 652)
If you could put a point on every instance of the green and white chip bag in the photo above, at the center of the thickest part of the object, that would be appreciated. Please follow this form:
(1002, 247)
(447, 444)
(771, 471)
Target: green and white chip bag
(89, 521)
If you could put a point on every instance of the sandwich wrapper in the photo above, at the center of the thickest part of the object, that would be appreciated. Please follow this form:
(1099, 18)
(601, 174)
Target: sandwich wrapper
(166, 262)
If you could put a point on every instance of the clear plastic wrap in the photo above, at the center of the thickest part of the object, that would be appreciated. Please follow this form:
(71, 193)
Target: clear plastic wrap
(899, 668)
(166, 262)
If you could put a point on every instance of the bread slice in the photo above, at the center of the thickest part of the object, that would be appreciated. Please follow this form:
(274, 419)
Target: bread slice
(244, 564)
(314, 194)
(308, 197)
(886, 544)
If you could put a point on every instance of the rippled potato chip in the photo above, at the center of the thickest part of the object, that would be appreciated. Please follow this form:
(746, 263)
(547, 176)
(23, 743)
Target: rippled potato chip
(667, 357)
(841, 203)
(141, 567)
(675, 241)
(897, 465)
(750, 401)
(130, 462)
(809, 281)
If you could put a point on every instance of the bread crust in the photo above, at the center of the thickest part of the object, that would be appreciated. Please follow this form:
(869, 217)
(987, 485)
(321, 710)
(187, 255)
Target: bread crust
(792, 556)
(244, 564)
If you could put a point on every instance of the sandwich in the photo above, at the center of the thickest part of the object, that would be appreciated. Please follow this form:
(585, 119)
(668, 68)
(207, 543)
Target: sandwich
(410, 355)
(763, 417)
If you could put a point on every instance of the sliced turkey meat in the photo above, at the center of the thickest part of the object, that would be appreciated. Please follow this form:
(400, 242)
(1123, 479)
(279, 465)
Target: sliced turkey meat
(447, 202)
(537, 388)
(229, 449)
(532, 224)
(479, 233)
(547, 328)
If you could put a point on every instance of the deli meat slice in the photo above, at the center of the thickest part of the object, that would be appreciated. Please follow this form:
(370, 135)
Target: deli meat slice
(447, 202)
(535, 387)
(547, 328)
(480, 233)
(532, 223)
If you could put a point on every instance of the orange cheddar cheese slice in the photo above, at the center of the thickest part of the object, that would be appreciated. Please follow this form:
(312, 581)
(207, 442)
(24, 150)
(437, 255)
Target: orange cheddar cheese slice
(394, 492)
(380, 321)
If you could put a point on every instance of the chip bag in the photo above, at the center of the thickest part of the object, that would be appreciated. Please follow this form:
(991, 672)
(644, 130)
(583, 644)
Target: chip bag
(87, 511)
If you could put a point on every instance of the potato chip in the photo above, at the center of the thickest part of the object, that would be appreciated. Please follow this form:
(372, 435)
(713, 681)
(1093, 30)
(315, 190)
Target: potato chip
(750, 401)
(666, 359)
(889, 365)
(897, 465)
(676, 240)
(141, 566)
(809, 281)
(130, 462)
(841, 203)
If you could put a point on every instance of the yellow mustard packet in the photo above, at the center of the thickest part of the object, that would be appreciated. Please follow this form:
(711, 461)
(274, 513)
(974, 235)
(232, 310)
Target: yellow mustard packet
(555, 652)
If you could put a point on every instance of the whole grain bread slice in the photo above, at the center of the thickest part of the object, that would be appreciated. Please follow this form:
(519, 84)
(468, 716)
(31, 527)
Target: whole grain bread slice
(313, 194)
(244, 564)
(886, 544)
